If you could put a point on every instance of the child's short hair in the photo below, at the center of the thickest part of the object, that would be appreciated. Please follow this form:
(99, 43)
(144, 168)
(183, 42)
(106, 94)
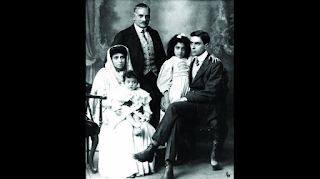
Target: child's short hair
(173, 42)
(130, 74)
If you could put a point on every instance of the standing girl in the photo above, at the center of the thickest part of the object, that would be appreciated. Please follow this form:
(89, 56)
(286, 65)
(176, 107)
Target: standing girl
(173, 78)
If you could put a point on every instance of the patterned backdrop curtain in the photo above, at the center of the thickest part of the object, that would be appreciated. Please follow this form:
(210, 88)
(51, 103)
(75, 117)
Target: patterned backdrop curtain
(104, 18)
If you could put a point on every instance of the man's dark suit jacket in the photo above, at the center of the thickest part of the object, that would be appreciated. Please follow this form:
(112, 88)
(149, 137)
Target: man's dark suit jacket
(206, 90)
(130, 39)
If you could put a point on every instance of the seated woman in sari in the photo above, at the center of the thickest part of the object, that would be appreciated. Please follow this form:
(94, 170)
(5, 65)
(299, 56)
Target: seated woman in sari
(116, 145)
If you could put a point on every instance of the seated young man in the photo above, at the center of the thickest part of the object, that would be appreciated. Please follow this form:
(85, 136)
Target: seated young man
(201, 105)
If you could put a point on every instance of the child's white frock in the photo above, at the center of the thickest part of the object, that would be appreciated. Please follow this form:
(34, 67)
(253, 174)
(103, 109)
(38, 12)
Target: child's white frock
(117, 142)
(174, 77)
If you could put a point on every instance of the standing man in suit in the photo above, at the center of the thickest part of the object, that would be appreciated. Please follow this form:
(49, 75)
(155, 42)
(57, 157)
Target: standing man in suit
(147, 55)
(201, 105)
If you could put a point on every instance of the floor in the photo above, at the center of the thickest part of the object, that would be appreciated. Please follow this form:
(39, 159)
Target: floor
(197, 168)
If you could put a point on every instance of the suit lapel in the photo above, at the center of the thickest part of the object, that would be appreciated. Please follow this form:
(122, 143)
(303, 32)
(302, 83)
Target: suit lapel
(150, 32)
(134, 36)
(202, 69)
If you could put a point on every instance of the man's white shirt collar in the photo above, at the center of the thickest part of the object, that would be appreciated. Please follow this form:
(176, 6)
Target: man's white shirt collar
(195, 68)
(138, 29)
(202, 57)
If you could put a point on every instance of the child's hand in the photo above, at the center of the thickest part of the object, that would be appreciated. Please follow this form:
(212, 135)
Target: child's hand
(105, 122)
(137, 131)
(118, 112)
(214, 59)
(182, 99)
(145, 117)
(164, 104)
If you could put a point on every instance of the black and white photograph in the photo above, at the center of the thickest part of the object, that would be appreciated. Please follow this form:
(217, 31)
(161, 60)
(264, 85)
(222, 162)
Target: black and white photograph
(159, 78)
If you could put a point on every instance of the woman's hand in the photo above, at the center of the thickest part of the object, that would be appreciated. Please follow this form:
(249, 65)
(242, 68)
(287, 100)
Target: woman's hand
(118, 112)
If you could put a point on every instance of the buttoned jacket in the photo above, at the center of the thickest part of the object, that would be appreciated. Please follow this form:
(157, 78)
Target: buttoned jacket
(130, 39)
(206, 90)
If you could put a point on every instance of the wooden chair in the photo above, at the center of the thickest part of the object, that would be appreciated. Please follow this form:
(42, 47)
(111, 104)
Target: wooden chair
(92, 129)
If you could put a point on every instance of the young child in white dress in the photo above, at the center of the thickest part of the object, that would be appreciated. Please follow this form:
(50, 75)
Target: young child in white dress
(130, 102)
(173, 78)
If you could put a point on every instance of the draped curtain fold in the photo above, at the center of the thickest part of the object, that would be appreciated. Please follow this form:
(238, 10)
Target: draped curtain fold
(93, 57)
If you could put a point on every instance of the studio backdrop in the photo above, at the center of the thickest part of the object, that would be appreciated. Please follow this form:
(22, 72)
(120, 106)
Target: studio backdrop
(105, 18)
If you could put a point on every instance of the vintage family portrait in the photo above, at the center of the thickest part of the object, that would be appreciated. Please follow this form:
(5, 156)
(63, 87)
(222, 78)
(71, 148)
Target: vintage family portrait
(159, 89)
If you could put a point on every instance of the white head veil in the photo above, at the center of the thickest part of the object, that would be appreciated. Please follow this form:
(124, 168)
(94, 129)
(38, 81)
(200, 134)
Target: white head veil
(108, 78)
(114, 77)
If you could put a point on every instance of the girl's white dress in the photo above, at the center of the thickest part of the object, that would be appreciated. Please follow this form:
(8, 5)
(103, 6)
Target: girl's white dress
(174, 77)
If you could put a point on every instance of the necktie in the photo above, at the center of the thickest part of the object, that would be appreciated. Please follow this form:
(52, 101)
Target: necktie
(143, 35)
(196, 61)
(195, 67)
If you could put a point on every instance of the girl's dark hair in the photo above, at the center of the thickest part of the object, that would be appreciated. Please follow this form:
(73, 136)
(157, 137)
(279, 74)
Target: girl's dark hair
(174, 40)
(130, 74)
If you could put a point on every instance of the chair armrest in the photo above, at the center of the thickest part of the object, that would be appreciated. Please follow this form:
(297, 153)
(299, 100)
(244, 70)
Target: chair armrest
(95, 96)
(100, 101)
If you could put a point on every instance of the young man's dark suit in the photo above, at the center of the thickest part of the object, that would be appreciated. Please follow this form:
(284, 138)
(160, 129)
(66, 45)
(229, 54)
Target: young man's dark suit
(204, 104)
(130, 39)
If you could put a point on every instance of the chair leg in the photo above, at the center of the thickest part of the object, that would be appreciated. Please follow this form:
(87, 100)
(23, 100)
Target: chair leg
(87, 149)
(95, 141)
